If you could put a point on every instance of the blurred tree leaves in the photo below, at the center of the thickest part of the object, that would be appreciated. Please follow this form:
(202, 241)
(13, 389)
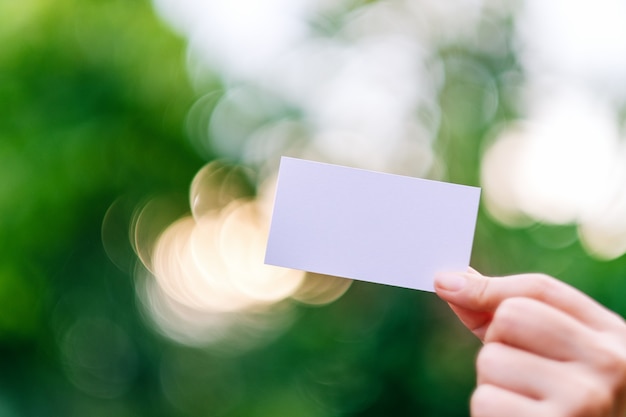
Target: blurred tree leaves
(93, 99)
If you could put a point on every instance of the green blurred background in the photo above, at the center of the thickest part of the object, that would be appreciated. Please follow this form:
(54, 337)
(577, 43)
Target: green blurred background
(96, 99)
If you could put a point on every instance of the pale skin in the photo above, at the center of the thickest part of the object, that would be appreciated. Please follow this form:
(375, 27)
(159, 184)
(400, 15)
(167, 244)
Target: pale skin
(549, 349)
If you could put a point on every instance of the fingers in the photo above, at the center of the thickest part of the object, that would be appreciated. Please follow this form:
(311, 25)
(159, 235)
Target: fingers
(538, 328)
(516, 370)
(473, 292)
(544, 341)
(493, 401)
(535, 386)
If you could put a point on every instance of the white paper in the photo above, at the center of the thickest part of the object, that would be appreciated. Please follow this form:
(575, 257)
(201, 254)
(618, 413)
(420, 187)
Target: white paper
(370, 226)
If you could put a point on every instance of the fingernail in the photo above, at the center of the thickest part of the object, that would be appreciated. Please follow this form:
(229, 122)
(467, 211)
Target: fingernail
(450, 281)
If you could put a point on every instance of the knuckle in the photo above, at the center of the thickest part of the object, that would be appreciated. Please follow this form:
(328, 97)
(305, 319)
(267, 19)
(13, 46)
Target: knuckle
(541, 278)
(481, 401)
(586, 396)
(480, 293)
(505, 319)
(618, 319)
(513, 305)
(488, 358)
(593, 398)
(611, 358)
(556, 409)
(541, 285)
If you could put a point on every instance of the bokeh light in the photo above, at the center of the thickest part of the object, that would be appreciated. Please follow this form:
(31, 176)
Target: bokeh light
(202, 278)
(171, 116)
(553, 44)
(567, 167)
(554, 167)
(369, 92)
(100, 358)
(563, 164)
(357, 96)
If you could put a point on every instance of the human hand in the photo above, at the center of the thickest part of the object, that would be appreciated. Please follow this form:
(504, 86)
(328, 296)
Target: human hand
(549, 349)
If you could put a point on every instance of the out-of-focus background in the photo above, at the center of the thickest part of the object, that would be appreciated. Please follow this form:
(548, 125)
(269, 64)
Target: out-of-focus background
(139, 144)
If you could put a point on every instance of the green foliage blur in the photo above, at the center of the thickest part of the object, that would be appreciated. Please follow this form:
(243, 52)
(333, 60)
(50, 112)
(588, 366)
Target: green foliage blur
(93, 99)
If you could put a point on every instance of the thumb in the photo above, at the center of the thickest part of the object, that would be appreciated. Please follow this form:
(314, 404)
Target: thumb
(474, 297)
(454, 288)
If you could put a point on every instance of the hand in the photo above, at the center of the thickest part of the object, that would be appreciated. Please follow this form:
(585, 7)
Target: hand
(549, 350)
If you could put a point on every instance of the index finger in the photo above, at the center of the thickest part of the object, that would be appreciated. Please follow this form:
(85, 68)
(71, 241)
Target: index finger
(475, 292)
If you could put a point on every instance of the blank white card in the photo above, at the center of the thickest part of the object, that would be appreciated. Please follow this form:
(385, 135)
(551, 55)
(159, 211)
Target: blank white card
(370, 226)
